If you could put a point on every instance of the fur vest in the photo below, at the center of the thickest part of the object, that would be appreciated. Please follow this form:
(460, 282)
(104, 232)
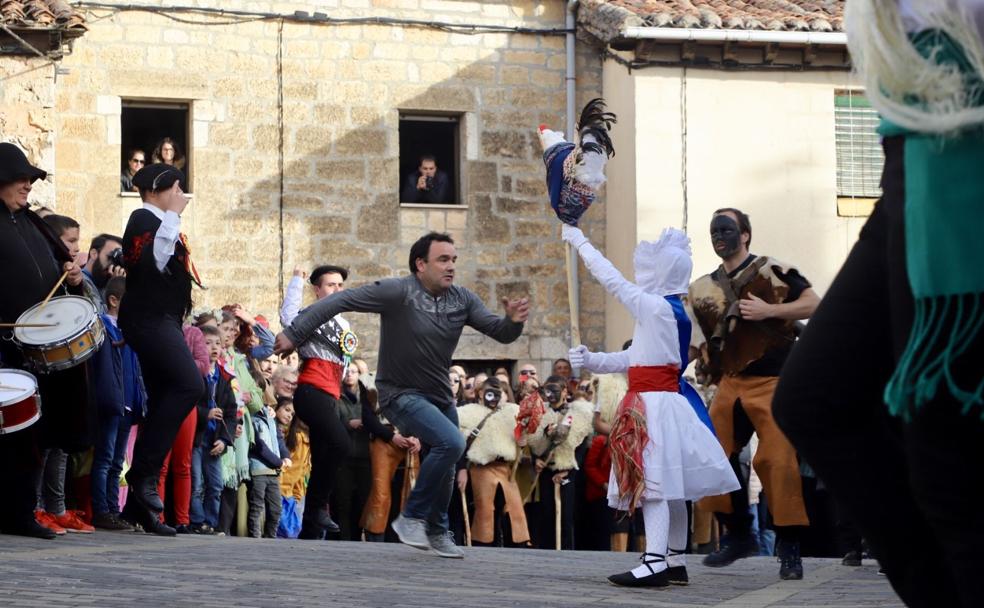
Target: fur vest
(496, 439)
(582, 414)
(610, 389)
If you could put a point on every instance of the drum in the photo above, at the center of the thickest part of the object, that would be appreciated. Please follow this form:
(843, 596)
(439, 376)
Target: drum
(20, 404)
(66, 332)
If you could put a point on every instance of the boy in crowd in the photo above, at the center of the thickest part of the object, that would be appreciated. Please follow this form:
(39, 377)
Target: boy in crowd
(216, 431)
(268, 455)
(120, 400)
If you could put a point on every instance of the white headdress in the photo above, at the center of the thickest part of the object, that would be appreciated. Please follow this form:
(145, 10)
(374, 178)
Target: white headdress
(663, 267)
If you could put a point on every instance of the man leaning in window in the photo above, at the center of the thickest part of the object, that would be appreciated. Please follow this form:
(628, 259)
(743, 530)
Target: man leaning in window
(427, 184)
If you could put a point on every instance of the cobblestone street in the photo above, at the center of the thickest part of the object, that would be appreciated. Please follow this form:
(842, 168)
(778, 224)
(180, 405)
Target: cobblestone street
(124, 569)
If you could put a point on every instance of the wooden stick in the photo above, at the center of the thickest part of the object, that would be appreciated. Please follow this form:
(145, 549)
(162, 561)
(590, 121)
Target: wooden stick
(557, 514)
(53, 290)
(464, 510)
(571, 263)
(13, 325)
(4, 387)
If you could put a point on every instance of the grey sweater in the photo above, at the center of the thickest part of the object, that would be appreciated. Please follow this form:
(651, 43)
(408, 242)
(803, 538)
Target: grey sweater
(418, 334)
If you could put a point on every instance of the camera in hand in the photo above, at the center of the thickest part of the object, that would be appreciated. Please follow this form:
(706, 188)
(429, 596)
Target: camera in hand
(115, 257)
(429, 182)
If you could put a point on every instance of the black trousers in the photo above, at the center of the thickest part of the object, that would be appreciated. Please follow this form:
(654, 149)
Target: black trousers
(352, 483)
(173, 385)
(330, 445)
(546, 526)
(908, 487)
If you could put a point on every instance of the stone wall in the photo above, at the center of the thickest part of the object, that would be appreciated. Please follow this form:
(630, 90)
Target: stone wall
(27, 115)
(343, 88)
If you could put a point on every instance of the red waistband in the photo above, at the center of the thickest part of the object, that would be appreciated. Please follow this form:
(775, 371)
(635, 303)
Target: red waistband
(322, 375)
(645, 379)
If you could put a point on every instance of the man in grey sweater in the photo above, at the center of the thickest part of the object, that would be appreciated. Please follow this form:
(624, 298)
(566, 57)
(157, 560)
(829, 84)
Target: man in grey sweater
(422, 318)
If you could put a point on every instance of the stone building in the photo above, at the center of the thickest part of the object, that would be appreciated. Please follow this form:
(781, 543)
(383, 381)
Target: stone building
(34, 37)
(292, 114)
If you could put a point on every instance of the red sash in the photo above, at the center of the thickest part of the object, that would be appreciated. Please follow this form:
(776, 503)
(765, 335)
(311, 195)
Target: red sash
(629, 436)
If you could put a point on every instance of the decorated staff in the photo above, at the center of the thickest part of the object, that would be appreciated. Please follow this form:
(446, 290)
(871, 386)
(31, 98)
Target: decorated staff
(574, 174)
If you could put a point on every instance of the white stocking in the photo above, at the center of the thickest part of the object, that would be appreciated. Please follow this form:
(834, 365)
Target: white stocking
(679, 525)
(657, 517)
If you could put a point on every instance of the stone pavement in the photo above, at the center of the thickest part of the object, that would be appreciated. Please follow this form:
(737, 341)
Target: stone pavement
(130, 569)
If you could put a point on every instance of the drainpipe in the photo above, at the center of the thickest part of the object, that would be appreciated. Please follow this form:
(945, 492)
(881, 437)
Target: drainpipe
(570, 24)
(710, 35)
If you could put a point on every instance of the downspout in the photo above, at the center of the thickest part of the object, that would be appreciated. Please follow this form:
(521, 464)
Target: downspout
(570, 25)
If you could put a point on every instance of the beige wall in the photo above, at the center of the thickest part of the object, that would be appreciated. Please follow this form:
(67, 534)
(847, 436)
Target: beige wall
(343, 90)
(27, 116)
(759, 141)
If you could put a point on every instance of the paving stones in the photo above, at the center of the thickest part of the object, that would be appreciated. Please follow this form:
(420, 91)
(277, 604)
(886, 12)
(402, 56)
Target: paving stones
(126, 569)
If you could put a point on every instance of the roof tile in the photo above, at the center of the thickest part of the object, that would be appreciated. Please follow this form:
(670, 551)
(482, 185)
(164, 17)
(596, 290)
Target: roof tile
(44, 14)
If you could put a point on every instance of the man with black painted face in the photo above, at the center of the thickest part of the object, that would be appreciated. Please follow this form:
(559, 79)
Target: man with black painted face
(747, 310)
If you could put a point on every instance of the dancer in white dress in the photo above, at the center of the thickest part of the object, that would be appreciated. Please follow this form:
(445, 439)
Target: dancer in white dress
(662, 454)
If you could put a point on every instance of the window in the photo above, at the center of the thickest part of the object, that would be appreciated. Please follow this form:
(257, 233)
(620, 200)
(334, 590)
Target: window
(859, 153)
(429, 145)
(149, 125)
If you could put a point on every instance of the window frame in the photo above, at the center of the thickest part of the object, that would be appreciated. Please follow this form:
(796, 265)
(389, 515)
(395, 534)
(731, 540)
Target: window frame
(457, 186)
(156, 103)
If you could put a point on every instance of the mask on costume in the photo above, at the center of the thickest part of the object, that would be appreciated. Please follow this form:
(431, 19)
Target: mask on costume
(725, 236)
(491, 397)
(663, 266)
(551, 393)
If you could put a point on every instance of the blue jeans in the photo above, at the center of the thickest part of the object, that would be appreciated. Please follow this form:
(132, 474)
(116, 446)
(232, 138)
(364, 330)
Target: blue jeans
(107, 462)
(437, 430)
(206, 486)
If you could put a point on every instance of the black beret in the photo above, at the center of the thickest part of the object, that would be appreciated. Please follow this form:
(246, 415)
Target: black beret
(158, 177)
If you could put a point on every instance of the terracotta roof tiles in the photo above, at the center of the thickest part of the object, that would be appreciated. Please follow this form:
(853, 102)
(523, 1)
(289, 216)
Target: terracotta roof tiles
(42, 14)
(606, 19)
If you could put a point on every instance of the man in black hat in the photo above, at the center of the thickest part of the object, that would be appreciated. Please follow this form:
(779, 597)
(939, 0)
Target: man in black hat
(32, 260)
(159, 274)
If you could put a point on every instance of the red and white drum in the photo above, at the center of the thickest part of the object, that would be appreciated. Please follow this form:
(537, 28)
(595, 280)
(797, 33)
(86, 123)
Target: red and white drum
(20, 404)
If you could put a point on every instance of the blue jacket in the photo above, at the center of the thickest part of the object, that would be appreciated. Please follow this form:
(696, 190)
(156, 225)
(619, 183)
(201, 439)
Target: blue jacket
(116, 378)
(268, 451)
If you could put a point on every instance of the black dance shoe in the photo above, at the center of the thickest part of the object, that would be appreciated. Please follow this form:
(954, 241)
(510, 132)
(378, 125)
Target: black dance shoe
(732, 548)
(145, 491)
(325, 521)
(30, 528)
(653, 579)
(137, 515)
(677, 574)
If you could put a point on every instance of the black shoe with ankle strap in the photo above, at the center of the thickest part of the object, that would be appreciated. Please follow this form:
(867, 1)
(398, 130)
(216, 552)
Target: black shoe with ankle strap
(655, 578)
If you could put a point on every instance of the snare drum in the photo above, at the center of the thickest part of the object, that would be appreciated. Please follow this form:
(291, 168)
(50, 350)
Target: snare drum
(20, 404)
(74, 333)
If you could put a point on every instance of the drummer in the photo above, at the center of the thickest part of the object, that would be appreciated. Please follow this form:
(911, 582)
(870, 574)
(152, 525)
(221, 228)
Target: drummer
(32, 260)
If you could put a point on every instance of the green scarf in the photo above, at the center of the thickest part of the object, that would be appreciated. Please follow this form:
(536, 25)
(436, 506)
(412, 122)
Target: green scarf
(944, 197)
(235, 461)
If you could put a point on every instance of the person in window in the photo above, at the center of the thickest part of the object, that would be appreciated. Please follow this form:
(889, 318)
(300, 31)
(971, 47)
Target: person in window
(168, 152)
(136, 160)
(427, 184)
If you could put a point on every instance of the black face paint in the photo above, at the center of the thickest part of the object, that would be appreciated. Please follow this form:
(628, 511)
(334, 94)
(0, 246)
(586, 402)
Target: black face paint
(725, 236)
(551, 393)
(491, 397)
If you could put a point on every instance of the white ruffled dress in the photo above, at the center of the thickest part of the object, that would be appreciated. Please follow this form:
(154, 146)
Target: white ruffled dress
(683, 459)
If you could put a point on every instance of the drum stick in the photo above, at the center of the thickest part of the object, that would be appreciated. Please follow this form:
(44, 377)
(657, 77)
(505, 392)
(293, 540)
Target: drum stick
(464, 510)
(14, 325)
(557, 514)
(53, 290)
(4, 387)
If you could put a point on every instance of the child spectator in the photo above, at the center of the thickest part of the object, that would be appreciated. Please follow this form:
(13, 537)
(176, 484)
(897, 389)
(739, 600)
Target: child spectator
(293, 481)
(120, 400)
(216, 414)
(51, 511)
(268, 455)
